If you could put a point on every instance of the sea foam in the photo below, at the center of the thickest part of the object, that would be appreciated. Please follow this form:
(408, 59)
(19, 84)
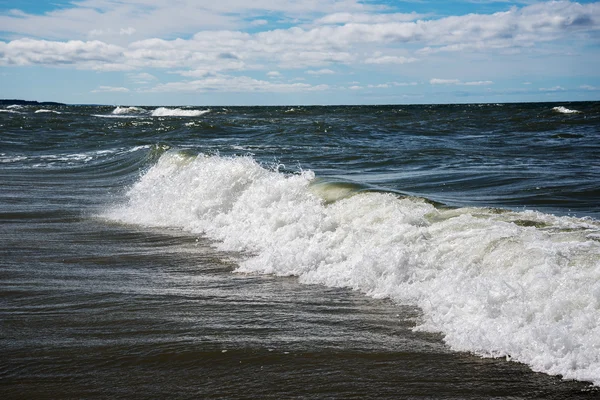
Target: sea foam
(524, 285)
(564, 110)
(177, 112)
(127, 110)
(44, 111)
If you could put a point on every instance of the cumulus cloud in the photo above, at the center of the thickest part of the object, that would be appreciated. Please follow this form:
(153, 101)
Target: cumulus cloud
(204, 40)
(161, 17)
(297, 47)
(29, 51)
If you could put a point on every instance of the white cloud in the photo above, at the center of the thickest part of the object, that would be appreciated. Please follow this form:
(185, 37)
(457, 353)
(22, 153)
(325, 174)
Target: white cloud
(390, 60)
(110, 89)
(391, 84)
(379, 86)
(478, 83)
(437, 81)
(224, 50)
(404, 83)
(237, 84)
(274, 74)
(42, 52)
(321, 72)
(364, 18)
(204, 41)
(127, 31)
(588, 87)
(161, 17)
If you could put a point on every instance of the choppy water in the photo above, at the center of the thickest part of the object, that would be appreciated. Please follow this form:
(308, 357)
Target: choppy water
(309, 252)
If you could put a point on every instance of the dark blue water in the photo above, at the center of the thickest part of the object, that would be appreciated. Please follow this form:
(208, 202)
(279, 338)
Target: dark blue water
(378, 251)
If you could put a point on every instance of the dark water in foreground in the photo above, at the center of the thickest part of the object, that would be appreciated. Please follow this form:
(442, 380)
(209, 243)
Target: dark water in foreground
(290, 253)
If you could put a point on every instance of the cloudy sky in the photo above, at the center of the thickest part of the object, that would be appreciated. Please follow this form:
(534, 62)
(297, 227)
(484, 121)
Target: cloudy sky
(254, 52)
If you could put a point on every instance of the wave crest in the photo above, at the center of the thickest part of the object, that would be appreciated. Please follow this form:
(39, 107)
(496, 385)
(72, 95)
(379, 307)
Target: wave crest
(518, 284)
(564, 110)
(177, 112)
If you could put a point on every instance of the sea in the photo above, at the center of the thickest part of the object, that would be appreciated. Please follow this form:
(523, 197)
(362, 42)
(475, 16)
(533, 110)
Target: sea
(300, 252)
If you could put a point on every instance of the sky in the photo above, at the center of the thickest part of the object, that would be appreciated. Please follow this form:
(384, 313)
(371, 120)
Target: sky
(299, 52)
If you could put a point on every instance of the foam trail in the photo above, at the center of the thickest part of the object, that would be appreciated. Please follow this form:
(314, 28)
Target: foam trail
(177, 112)
(525, 285)
(564, 110)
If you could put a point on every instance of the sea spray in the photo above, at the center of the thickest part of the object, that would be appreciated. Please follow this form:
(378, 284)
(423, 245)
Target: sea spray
(525, 285)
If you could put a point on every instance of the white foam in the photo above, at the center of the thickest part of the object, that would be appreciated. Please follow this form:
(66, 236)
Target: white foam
(524, 285)
(128, 110)
(177, 112)
(47, 111)
(564, 110)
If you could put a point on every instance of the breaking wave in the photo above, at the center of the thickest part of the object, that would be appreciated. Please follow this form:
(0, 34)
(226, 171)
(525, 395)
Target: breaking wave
(177, 112)
(564, 110)
(524, 285)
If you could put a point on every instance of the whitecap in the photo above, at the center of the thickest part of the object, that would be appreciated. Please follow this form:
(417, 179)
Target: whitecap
(177, 112)
(127, 110)
(524, 285)
(47, 111)
(564, 110)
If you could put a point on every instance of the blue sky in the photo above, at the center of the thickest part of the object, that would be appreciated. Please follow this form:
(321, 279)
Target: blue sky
(270, 52)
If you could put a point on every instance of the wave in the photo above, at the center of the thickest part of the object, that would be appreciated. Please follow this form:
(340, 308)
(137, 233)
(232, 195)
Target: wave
(128, 110)
(47, 111)
(522, 285)
(564, 110)
(62, 160)
(177, 112)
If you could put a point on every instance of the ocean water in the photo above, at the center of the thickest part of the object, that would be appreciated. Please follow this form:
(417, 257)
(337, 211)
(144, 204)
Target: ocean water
(424, 251)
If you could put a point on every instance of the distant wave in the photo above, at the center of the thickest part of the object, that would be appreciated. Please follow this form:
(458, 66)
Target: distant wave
(47, 111)
(564, 110)
(177, 112)
(127, 110)
(522, 285)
